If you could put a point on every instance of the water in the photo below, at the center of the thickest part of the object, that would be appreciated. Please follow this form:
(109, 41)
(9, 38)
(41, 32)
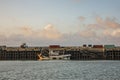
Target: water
(59, 70)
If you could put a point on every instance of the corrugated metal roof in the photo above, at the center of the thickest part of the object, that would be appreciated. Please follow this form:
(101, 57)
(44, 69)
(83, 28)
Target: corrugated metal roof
(109, 46)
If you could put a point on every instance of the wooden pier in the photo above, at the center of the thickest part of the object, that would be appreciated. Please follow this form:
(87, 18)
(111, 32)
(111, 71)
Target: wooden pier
(77, 53)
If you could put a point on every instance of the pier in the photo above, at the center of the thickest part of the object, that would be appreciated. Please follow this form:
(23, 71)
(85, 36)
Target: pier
(95, 52)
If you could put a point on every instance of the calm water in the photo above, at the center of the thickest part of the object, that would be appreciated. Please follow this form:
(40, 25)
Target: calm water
(59, 70)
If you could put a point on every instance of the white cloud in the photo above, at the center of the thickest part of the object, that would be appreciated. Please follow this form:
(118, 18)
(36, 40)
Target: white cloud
(50, 32)
(116, 33)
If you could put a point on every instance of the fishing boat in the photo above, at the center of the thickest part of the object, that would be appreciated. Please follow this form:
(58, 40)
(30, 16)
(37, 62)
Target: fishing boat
(54, 57)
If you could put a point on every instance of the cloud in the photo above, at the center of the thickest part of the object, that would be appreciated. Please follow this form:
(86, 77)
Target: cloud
(87, 34)
(48, 32)
(116, 33)
(2, 38)
(26, 31)
(107, 22)
(110, 27)
(82, 18)
(111, 23)
(102, 31)
(99, 20)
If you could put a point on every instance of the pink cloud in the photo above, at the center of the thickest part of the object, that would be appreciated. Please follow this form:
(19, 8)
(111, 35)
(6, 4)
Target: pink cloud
(82, 18)
(102, 31)
(48, 32)
(26, 31)
(116, 33)
(87, 33)
(107, 22)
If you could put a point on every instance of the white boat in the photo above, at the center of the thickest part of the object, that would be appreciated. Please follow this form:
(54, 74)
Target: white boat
(54, 57)
(56, 54)
(60, 57)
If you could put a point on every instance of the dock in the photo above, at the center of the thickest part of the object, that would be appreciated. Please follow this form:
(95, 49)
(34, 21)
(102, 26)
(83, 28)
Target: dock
(95, 52)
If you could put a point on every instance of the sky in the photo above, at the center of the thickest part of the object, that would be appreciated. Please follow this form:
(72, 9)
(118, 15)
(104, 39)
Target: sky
(59, 22)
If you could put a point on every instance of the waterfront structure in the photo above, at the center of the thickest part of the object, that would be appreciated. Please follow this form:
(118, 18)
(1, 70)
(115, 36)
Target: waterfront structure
(19, 53)
(86, 53)
(112, 54)
(90, 52)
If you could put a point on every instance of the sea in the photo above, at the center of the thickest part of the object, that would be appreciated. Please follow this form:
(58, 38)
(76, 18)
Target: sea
(60, 70)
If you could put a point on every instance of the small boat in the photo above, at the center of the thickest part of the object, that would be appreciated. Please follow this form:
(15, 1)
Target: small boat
(54, 57)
